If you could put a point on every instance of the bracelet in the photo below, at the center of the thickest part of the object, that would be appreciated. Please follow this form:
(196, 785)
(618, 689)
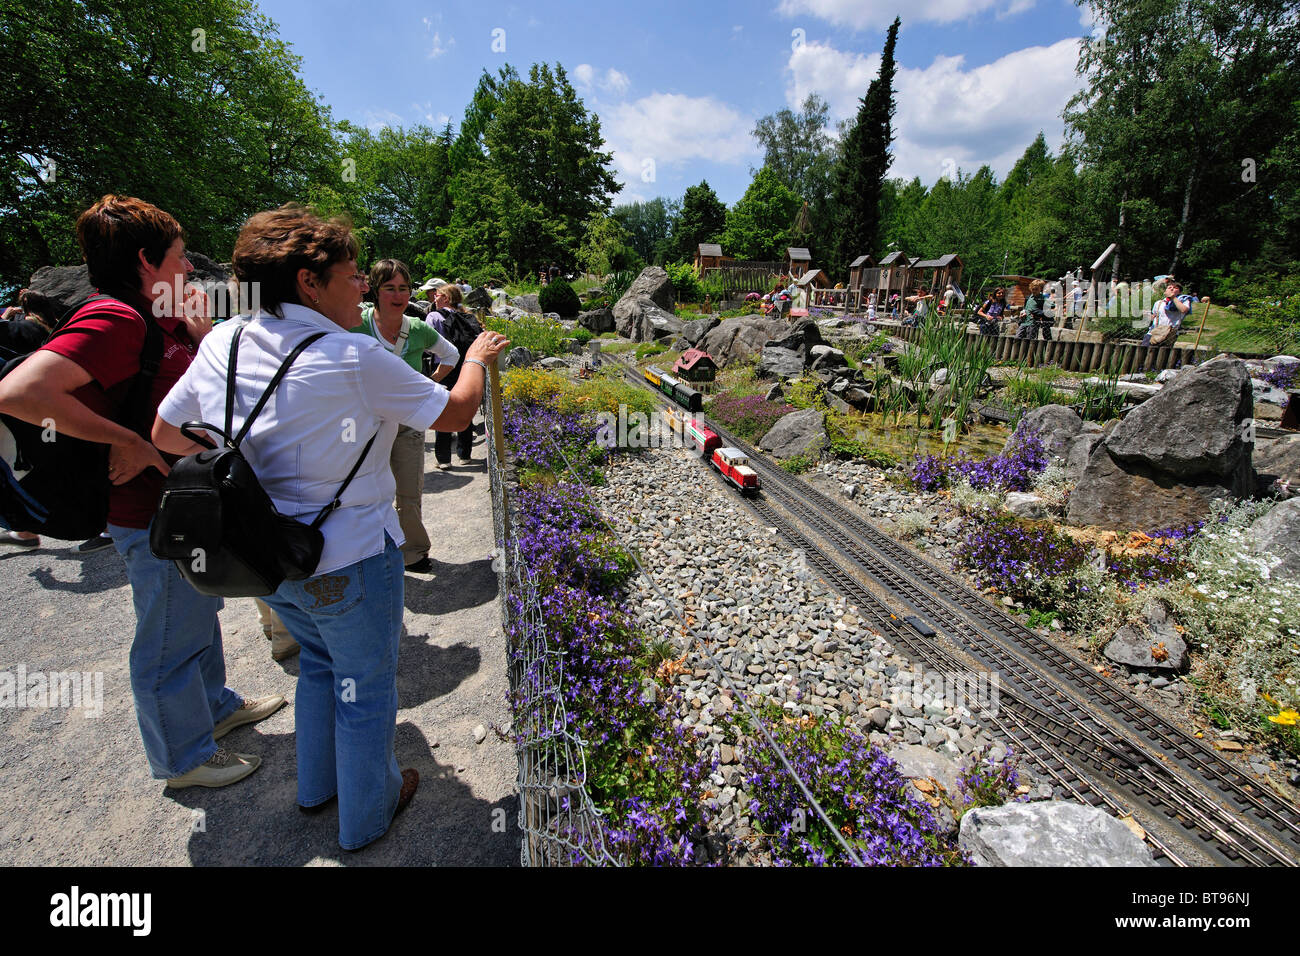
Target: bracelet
(480, 363)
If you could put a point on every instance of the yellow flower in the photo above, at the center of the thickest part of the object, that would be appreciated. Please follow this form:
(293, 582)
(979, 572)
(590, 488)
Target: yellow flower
(1287, 718)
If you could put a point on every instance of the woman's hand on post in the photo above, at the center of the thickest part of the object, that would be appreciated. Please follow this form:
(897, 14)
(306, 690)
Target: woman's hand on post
(487, 347)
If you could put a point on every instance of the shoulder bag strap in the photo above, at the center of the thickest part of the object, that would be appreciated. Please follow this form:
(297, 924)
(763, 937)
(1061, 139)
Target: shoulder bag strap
(275, 380)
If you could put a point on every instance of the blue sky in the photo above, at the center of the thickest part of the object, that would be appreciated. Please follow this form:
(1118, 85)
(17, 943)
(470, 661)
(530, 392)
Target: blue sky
(678, 85)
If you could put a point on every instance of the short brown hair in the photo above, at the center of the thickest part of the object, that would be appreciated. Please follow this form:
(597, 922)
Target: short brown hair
(453, 293)
(385, 269)
(1037, 286)
(111, 234)
(275, 244)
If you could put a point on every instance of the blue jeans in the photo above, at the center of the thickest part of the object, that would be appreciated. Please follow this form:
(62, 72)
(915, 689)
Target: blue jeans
(178, 667)
(349, 623)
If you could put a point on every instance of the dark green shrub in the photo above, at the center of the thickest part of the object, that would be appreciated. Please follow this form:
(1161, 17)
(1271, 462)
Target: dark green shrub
(559, 297)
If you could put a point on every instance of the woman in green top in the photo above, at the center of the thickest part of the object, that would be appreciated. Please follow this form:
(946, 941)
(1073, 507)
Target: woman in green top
(408, 338)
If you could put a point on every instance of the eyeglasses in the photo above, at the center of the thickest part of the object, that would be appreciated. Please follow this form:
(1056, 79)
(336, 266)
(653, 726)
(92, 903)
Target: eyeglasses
(359, 277)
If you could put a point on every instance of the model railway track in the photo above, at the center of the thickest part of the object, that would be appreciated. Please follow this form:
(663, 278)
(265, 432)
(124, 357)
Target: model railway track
(1056, 748)
(1052, 677)
(1052, 694)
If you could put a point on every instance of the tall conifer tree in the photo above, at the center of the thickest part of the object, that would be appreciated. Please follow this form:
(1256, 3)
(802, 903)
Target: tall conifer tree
(863, 165)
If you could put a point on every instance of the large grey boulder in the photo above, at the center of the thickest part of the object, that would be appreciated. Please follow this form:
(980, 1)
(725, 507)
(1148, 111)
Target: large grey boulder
(1277, 466)
(658, 326)
(695, 331)
(649, 295)
(1056, 426)
(799, 433)
(780, 363)
(801, 335)
(1194, 426)
(597, 321)
(478, 298)
(641, 320)
(1080, 450)
(740, 339)
(824, 356)
(1169, 460)
(1051, 833)
(1132, 497)
(527, 303)
(520, 358)
(1277, 533)
(653, 284)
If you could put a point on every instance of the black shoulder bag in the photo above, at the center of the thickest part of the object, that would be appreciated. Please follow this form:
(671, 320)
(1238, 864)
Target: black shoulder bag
(217, 522)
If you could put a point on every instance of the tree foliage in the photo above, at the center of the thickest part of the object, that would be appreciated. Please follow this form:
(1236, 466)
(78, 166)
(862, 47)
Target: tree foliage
(1183, 122)
(702, 218)
(863, 164)
(799, 149)
(535, 147)
(758, 226)
(649, 227)
(99, 97)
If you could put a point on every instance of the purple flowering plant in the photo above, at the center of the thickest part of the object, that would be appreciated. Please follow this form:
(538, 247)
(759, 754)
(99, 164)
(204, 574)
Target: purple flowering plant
(538, 433)
(1284, 376)
(750, 417)
(865, 796)
(986, 782)
(646, 776)
(1012, 471)
(1008, 554)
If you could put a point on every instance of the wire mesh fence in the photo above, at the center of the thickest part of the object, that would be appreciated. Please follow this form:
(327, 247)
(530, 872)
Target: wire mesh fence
(560, 823)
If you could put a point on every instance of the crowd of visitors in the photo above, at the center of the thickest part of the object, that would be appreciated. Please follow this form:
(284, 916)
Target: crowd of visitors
(363, 378)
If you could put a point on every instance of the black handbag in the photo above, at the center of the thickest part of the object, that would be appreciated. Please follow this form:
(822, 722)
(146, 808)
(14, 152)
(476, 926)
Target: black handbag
(217, 522)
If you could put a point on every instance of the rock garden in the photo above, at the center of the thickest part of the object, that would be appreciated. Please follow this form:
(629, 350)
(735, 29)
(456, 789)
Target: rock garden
(1144, 524)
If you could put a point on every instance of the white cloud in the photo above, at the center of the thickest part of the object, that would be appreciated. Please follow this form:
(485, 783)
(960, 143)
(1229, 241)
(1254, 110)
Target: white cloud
(878, 14)
(948, 115)
(615, 81)
(376, 120)
(438, 46)
(612, 81)
(672, 128)
(435, 118)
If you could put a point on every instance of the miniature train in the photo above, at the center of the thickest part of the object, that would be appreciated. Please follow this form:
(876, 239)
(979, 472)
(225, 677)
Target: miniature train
(731, 463)
(688, 398)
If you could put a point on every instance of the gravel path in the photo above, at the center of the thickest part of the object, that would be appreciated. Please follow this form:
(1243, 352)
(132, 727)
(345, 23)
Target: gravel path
(77, 790)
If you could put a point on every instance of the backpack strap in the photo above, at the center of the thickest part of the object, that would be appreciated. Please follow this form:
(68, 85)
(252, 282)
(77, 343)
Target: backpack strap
(136, 411)
(266, 395)
(335, 504)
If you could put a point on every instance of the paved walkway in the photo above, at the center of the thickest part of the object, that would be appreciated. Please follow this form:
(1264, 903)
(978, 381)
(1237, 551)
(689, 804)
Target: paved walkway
(77, 790)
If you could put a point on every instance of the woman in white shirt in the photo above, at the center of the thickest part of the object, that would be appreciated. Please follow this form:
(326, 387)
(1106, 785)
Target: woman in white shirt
(342, 389)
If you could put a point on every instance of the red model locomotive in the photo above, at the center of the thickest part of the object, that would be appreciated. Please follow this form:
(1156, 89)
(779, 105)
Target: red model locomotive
(731, 463)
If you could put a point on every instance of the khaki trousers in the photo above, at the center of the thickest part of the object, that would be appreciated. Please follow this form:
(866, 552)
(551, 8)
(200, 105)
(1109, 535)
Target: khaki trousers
(407, 462)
